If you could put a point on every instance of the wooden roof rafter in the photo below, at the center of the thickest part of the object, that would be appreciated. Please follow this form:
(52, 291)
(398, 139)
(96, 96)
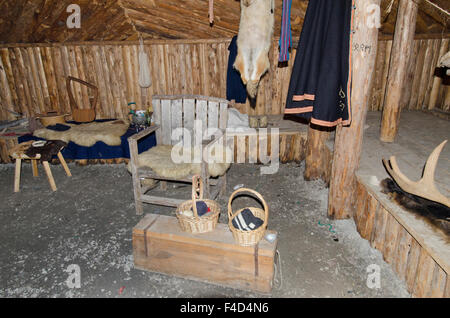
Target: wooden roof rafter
(433, 17)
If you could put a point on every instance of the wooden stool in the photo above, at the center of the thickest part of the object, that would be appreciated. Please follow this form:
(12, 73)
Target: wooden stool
(18, 153)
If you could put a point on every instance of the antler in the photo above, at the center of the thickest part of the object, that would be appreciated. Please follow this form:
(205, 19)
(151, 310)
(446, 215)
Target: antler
(425, 187)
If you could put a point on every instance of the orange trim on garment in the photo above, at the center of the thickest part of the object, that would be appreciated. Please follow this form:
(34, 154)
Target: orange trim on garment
(299, 98)
(350, 75)
(298, 110)
(319, 122)
(329, 123)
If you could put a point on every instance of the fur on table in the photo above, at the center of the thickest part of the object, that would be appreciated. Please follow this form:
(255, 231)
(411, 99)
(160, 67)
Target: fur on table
(89, 134)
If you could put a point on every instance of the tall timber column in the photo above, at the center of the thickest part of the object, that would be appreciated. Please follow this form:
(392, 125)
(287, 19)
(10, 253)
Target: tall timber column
(348, 142)
(405, 28)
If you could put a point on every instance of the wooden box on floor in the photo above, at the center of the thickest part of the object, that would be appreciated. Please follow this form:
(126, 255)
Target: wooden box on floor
(159, 245)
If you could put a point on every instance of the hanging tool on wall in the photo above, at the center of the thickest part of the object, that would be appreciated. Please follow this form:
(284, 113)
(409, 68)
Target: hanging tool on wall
(145, 78)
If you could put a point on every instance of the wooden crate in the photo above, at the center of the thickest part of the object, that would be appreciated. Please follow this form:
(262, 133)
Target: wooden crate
(159, 245)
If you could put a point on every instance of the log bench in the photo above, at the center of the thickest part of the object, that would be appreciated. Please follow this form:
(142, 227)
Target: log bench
(416, 253)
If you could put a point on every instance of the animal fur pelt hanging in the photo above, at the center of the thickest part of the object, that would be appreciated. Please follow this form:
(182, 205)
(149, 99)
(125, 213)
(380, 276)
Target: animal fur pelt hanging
(159, 159)
(438, 215)
(254, 41)
(87, 135)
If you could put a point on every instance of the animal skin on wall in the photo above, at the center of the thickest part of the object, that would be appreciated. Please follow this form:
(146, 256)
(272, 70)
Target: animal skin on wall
(254, 41)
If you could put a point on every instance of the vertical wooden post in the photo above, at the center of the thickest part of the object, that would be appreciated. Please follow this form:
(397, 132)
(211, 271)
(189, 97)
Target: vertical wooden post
(318, 159)
(403, 43)
(437, 81)
(348, 142)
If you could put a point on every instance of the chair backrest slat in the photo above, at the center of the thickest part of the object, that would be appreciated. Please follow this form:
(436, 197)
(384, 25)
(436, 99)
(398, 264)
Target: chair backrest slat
(223, 116)
(177, 115)
(157, 117)
(213, 115)
(189, 113)
(181, 111)
(166, 121)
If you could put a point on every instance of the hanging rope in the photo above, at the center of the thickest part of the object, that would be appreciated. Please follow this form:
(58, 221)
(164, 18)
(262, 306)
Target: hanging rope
(211, 11)
(278, 271)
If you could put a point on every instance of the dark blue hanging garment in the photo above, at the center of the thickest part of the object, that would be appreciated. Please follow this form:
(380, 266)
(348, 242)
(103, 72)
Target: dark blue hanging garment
(235, 88)
(320, 84)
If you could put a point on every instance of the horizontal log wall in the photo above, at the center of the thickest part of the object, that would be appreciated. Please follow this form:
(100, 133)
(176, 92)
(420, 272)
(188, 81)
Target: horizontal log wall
(32, 77)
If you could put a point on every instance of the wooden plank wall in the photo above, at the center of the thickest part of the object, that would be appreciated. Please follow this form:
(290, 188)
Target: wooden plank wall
(419, 80)
(32, 77)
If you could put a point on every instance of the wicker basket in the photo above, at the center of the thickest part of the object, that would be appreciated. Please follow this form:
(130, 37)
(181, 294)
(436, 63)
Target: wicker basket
(248, 238)
(51, 118)
(195, 224)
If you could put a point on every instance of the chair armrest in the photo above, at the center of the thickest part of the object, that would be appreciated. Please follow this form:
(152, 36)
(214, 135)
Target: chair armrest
(143, 133)
(133, 145)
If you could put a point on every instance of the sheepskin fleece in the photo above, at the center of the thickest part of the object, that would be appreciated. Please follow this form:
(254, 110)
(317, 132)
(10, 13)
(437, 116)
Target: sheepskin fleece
(159, 159)
(89, 134)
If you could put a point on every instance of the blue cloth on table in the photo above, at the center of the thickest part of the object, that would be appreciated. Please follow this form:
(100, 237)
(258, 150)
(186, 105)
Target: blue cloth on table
(101, 150)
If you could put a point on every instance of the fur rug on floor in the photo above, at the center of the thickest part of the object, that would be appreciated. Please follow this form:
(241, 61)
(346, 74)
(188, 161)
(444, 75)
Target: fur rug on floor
(159, 159)
(89, 134)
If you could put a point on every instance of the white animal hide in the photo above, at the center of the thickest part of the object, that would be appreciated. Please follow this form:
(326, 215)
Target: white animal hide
(254, 41)
(87, 135)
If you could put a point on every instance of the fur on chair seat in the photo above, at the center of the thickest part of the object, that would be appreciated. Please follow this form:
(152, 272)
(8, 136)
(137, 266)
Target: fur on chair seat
(89, 134)
(159, 159)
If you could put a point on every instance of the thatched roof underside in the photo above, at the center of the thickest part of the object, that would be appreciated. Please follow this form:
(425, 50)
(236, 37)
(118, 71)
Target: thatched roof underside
(34, 21)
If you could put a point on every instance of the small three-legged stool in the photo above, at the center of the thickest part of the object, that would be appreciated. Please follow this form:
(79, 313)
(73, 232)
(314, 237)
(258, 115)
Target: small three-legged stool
(18, 153)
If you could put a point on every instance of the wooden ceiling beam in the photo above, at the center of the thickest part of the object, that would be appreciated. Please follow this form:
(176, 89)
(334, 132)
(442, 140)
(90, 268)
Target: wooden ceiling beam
(436, 10)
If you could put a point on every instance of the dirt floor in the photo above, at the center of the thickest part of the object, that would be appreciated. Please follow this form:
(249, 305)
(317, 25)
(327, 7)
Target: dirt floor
(88, 222)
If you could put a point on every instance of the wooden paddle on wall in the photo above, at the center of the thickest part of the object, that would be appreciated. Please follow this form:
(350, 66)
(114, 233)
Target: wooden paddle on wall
(78, 114)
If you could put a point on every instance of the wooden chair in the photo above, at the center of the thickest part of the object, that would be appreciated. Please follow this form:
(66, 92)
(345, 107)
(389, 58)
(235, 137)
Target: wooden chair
(171, 112)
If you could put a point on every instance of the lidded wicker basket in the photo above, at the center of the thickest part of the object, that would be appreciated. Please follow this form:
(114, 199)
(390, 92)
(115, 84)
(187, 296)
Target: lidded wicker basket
(195, 224)
(248, 238)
